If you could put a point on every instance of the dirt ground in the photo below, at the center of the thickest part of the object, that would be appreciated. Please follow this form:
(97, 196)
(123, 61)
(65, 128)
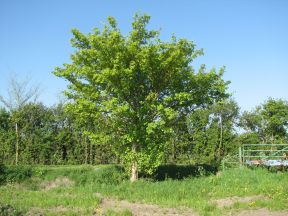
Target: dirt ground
(231, 200)
(255, 212)
(262, 212)
(141, 209)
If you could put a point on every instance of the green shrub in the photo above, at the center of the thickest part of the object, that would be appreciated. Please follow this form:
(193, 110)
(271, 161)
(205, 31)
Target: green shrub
(173, 171)
(3, 169)
(110, 175)
(8, 210)
(86, 175)
(15, 173)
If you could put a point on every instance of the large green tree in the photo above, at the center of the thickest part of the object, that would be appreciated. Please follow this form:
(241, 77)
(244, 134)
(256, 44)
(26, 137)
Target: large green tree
(136, 87)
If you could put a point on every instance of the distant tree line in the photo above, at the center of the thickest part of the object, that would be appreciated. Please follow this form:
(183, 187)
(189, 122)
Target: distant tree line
(49, 135)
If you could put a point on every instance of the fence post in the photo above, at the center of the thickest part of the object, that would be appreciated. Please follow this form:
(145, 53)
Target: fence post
(240, 155)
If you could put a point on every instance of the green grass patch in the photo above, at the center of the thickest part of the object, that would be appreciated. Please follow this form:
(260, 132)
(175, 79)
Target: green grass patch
(14, 173)
(74, 190)
(111, 212)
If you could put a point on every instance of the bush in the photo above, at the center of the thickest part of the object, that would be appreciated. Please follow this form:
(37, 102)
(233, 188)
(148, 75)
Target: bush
(3, 169)
(110, 175)
(171, 171)
(8, 210)
(14, 173)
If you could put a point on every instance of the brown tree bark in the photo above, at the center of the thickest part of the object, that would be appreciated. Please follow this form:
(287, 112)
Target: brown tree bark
(86, 150)
(134, 166)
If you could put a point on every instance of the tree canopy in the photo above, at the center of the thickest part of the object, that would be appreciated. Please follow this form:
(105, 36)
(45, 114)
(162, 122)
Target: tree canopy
(268, 122)
(139, 86)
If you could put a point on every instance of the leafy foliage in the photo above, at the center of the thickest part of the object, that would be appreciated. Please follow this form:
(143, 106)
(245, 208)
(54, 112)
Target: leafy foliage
(110, 175)
(8, 210)
(268, 122)
(212, 131)
(14, 173)
(179, 172)
(136, 87)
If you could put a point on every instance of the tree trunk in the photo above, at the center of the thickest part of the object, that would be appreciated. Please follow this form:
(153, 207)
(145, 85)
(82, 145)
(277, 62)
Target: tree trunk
(134, 167)
(86, 150)
(173, 152)
(17, 144)
(221, 139)
(91, 153)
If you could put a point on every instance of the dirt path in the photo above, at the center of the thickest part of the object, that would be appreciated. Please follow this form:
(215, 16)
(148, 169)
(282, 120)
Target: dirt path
(261, 212)
(141, 209)
(255, 212)
(231, 200)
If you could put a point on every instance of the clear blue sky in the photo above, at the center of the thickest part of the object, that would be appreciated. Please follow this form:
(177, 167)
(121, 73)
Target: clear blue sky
(249, 37)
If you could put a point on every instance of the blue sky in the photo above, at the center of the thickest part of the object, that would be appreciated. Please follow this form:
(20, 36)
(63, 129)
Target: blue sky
(249, 37)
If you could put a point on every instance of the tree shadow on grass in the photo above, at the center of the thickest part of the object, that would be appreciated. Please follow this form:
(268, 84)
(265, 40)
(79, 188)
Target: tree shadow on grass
(178, 172)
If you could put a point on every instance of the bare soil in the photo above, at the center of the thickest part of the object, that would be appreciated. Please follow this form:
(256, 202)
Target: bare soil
(231, 200)
(59, 210)
(262, 212)
(141, 209)
(253, 212)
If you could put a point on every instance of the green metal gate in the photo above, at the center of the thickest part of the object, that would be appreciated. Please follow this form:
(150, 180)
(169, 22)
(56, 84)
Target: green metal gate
(264, 154)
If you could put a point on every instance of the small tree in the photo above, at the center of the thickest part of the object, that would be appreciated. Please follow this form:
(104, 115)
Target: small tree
(138, 85)
(212, 131)
(19, 94)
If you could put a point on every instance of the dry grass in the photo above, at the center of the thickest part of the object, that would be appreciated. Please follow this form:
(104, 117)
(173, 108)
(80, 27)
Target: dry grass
(58, 182)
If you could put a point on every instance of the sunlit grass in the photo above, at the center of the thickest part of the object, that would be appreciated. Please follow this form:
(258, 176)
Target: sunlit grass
(82, 197)
(199, 193)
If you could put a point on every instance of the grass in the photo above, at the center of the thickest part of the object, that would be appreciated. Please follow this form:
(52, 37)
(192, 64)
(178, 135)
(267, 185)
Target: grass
(198, 193)
(70, 200)
(111, 212)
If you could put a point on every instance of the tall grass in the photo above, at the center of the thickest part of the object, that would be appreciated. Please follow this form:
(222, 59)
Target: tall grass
(198, 193)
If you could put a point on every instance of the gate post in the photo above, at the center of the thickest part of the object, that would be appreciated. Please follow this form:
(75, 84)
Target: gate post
(240, 156)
